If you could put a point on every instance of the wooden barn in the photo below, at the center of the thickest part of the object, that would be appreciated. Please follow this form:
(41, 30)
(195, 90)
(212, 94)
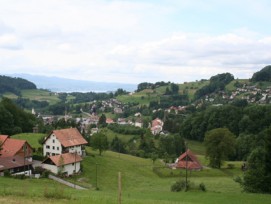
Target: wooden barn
(188, 160)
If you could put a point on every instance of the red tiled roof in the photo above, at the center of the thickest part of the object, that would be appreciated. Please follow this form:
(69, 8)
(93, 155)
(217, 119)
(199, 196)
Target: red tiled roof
(109, 120)
(69, 137)
(3, 138)
(12, 146)
(157, 122)
(191, 163)
(12, 162)
(68, 158)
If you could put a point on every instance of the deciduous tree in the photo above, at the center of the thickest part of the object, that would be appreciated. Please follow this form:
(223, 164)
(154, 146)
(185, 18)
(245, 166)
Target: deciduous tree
(220, 144)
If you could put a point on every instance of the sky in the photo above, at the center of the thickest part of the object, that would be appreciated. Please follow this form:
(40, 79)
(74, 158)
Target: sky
(134, 41)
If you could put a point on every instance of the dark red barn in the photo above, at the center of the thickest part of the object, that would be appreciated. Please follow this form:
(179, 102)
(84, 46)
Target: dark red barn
(188, 160)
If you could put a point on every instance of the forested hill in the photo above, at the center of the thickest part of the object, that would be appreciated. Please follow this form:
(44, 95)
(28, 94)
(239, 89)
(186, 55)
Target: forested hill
(14, 85)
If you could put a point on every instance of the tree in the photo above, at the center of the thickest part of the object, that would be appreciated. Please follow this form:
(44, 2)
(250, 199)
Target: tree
(99, 142)
(102, 121)
(220, 144)
(257, 179)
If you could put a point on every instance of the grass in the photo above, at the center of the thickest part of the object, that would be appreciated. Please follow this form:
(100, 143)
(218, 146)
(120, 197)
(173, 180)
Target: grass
(139, 185)
(110, 135)
(40, 95)
(31, 138)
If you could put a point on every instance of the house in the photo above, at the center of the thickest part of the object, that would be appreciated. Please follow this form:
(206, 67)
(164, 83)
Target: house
(68, 163)
(122, 121)
(14, 147)
(118, 110)
(64, 141)
(189, 161)
(109, 121)
(157, 126)
(139, 123)
(16, 165)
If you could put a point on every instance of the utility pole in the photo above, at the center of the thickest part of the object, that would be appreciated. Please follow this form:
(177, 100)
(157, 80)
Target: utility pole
(186, 157)
(24, 159)
(119, 184)
(96, 176)
(74, 167)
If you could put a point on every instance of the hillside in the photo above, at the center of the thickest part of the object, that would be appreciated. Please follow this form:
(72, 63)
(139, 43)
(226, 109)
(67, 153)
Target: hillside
(14, 85)
(139, 184)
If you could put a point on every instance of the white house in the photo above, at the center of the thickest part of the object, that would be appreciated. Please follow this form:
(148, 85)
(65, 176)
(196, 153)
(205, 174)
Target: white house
(64, 141)
(68, 163)
(157, 126)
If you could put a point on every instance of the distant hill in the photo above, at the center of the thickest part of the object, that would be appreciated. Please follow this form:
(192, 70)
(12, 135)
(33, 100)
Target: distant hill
(14, 85)
(58, 84)
(262, 75)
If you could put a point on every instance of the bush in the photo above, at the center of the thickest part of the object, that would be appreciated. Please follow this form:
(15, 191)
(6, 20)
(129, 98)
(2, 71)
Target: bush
(178, 186)
(7, 173)
(202, 187)
(45, 174)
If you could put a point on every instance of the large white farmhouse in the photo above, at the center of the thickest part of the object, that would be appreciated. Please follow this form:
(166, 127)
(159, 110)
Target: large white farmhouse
(64, 141)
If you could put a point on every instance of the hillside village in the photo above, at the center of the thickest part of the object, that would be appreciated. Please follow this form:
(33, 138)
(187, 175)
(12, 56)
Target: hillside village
(160, 123)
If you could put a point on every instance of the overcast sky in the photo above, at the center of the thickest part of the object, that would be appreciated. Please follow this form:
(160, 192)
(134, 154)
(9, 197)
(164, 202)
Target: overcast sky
(135, 41)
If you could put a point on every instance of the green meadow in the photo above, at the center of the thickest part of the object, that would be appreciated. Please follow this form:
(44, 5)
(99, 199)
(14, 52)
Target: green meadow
(140, 184)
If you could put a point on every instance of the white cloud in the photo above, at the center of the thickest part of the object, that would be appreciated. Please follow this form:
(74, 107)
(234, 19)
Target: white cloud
(130, 41)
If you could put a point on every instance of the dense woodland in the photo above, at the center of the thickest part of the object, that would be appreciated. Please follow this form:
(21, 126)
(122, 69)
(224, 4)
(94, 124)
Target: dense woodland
(14, 85)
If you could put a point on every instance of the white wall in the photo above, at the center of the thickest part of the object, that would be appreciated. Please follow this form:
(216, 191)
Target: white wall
(69, 168)
(77, 148)
(54, 144)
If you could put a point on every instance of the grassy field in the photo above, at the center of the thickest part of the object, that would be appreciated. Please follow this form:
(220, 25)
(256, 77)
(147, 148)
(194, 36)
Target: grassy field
(139, 185)
(31, 138)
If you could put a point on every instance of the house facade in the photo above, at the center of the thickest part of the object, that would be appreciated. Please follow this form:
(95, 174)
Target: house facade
(15, 165)
(68, 163)
(64, 141)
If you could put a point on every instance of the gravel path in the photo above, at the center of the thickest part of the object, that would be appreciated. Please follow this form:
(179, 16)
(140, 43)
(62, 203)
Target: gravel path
(66, 182)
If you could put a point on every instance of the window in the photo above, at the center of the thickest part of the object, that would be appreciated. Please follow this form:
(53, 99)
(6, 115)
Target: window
(53, 147)
(73, 164)
(47, 147)
(48, 153)
(53, 141)
(57, 148)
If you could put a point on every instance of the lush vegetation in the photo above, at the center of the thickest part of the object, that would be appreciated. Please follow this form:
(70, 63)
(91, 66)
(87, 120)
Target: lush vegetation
(139, 184)
(217, 83)
(14, 85)
(14, 120)
(262, 75)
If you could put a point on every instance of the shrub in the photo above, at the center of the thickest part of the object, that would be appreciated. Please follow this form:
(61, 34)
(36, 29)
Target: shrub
(178, 186)
(202, 187)
(7, 173)
(45, 174)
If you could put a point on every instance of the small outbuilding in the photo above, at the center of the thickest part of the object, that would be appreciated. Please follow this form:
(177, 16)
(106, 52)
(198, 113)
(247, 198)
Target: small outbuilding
(68, 163)
(189, 161)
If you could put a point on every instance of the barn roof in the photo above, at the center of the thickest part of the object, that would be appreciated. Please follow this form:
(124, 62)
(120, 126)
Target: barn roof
(188, 160)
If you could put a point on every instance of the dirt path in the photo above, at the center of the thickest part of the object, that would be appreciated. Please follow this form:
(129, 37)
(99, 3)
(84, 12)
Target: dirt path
(66, 183)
